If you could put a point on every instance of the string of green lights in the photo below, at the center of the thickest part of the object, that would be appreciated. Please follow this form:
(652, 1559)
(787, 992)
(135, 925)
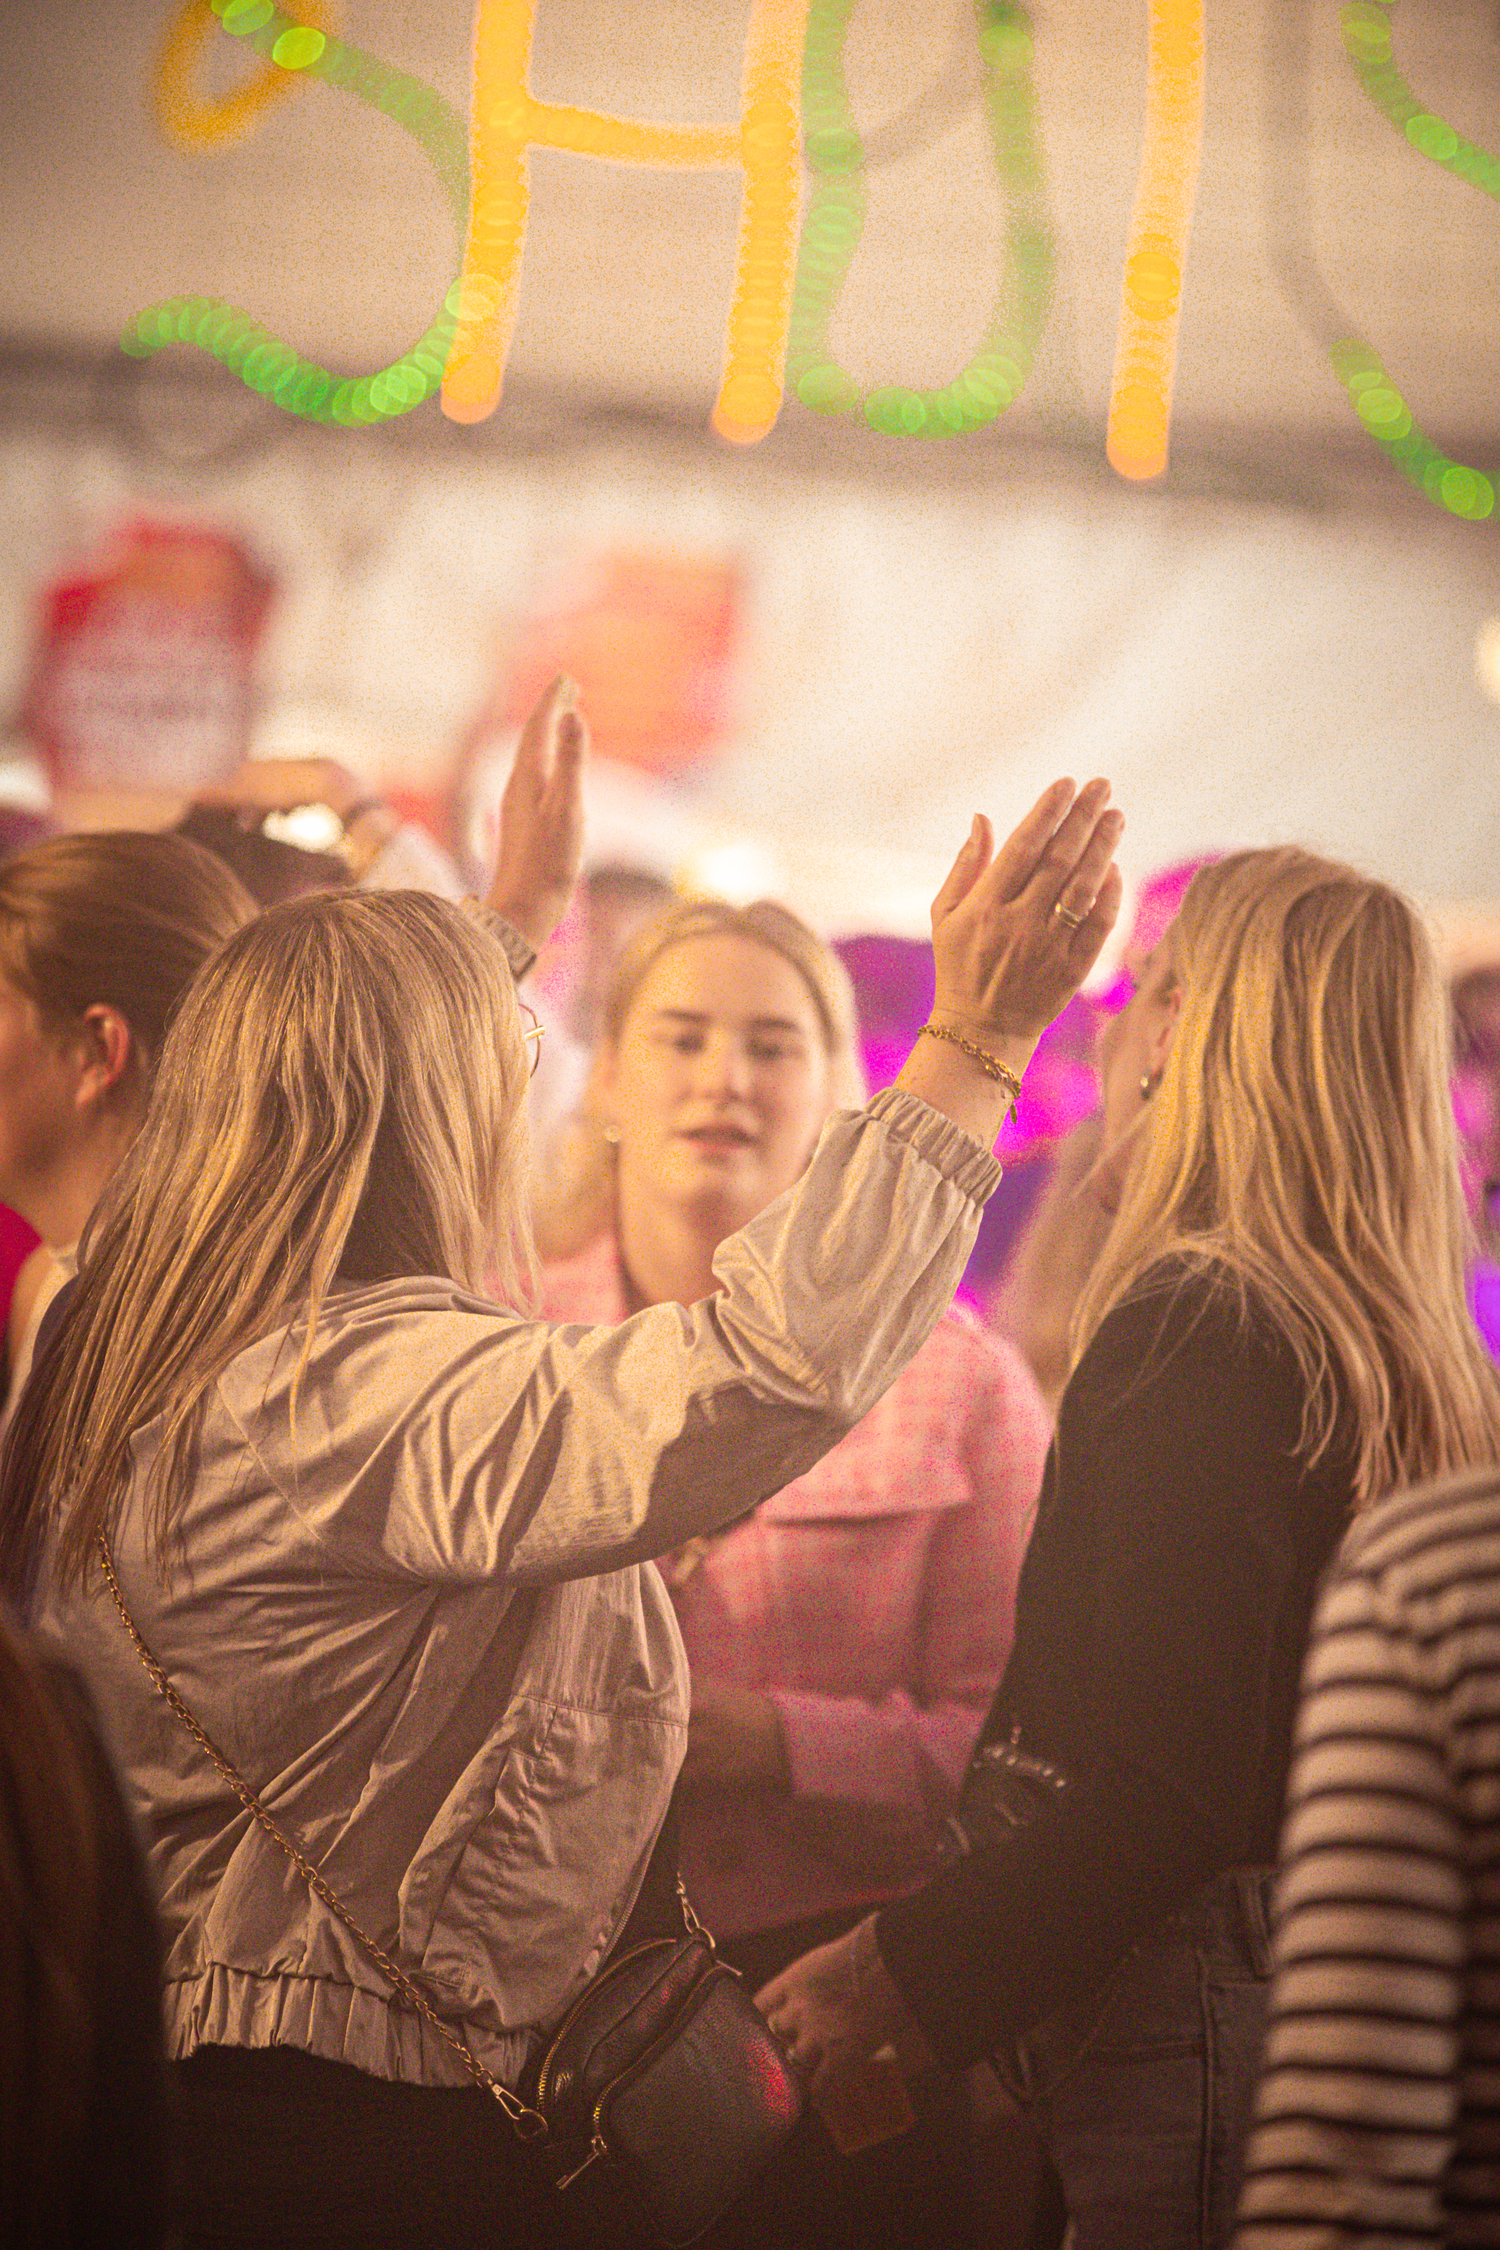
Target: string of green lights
(997, 373)
(1366, 25)
(260, 361)
(1466, 492)
(1385, 414)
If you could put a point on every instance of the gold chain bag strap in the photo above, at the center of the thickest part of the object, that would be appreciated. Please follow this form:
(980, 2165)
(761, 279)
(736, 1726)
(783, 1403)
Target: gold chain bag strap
(663, 2074)
(529, 2123)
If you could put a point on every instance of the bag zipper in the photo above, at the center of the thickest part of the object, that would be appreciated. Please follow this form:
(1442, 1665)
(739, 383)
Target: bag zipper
(587, 1998)
(599, 2147)
(598, 2151)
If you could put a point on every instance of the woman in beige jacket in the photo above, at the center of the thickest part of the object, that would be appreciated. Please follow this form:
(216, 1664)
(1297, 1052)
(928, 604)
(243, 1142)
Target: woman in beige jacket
(391, 1540)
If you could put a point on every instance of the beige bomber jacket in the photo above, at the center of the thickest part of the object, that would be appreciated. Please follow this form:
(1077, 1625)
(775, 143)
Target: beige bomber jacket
(423, 1621)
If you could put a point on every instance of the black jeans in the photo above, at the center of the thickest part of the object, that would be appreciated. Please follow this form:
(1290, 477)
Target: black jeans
(1142, 2096)
(283, 2151)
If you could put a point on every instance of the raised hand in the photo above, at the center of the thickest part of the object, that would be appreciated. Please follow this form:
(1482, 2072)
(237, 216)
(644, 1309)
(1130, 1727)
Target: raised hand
(541, 818)
(1015, 934)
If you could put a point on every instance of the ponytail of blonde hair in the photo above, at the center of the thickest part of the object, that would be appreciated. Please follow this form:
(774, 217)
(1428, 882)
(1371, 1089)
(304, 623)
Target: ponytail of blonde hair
(575, 1202)
(1301, 1143)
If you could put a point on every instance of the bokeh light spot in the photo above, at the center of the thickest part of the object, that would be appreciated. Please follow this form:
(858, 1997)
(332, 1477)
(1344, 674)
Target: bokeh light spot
(1432, 137)
(827, 389)
(1465, 492)
(245, 16)
(299, 48)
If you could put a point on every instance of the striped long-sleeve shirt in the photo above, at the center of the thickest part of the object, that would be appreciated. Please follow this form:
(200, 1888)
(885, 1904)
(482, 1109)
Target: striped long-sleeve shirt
(1379, 2113)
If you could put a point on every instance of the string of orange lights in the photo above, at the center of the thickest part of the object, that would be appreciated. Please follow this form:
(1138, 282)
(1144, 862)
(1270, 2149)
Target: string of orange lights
(192, 124)
(1140, 405)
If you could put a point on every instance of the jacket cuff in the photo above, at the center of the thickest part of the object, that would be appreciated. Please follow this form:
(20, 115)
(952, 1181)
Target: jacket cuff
(518, 951)
(946, 1146)
(929, 1956)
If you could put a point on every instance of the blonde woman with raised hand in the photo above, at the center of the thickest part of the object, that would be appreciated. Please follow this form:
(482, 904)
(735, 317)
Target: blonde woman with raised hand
(845, 1638)
(387, 1537)
(1276, 1334)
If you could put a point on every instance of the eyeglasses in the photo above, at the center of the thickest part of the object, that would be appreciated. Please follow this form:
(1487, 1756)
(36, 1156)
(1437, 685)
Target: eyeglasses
(534, 1033)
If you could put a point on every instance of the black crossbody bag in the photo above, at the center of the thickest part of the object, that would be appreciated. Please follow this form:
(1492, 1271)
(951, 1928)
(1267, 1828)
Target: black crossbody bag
(662, 2077)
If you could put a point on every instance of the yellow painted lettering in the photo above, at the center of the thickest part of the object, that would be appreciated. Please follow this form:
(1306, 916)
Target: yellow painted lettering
(508, 120)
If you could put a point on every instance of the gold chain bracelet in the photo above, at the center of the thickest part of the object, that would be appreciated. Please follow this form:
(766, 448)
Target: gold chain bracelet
(990, 1064)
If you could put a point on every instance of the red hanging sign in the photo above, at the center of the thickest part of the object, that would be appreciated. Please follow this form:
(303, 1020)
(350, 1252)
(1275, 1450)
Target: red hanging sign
(649, 637)
(142, 672)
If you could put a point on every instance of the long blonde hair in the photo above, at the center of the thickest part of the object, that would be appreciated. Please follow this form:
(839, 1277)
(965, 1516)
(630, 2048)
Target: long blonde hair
(340, 1098)
(1302, 1143)
(576, 1202)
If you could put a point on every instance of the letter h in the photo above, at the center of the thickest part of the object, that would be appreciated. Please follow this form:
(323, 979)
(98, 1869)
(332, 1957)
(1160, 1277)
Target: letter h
(508, 120)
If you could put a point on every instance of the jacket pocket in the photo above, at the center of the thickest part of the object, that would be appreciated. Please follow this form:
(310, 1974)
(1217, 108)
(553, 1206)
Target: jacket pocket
(550, 1861)
(483, 1782)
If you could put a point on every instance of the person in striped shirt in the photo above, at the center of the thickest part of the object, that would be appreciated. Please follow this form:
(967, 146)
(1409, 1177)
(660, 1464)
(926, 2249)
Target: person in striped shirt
(1379, 2107)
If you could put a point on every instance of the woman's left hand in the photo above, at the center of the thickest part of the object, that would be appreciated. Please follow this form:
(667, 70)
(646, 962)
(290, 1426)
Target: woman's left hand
(734, 1739)
(541, 818)
(263, 785)
(273, 785)
(836, 2004)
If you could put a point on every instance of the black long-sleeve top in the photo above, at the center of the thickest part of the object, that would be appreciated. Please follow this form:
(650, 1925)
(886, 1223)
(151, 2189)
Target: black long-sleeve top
(1163, 1614)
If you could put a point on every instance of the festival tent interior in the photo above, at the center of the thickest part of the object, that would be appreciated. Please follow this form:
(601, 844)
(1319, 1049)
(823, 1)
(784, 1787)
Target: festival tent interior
(1116, 392)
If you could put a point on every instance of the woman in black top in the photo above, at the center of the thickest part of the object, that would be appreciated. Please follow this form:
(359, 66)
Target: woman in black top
(1276, 1333)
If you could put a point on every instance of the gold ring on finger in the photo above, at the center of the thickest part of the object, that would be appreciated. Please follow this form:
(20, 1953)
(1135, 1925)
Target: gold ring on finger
(1074, 921)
